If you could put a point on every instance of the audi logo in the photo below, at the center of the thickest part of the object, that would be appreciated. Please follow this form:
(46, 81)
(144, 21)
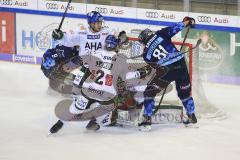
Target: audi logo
(206, 19)
(6, 2)
(101, 10)
(51, 6)
(151, 14)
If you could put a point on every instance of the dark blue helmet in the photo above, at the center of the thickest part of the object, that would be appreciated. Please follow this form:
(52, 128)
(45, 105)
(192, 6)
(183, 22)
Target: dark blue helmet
(144, 36)
(111, 42)
(94, 16)
(48, 62)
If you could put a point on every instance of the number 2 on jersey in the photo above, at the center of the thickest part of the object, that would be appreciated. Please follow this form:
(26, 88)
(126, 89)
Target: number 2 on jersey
(100, 75)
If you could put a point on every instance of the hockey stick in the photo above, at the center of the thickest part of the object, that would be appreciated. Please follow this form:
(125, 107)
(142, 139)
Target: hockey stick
(185, 37)
(64, 15)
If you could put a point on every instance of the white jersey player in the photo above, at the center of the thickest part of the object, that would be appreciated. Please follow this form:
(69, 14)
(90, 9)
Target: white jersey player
(99, 87)
(88, 39)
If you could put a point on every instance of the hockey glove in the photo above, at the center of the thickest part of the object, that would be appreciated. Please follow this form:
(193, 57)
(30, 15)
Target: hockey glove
(57, 34)
(122, 37)
(144, 71)
(191, 22)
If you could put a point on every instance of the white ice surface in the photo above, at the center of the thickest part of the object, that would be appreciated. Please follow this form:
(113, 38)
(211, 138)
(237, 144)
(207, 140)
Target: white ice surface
(27, 113)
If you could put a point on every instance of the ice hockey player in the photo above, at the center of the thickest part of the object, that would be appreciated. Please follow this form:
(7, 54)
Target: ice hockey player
(90, 39)
(97, 83)
(57, 63)
(125, 99)
(170, 65)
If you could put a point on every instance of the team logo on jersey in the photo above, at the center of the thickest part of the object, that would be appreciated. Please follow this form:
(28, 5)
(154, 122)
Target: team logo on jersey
(109, 80)
(104, 65)
(95, 91)
(109, 58)
(93, 45)
(93, 36)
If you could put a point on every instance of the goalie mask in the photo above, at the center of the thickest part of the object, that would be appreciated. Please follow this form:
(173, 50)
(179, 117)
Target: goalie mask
(111, 43)
(145, 35)
(120, 85)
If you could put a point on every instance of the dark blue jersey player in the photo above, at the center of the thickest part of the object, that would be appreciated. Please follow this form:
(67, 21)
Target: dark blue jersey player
(161, 54)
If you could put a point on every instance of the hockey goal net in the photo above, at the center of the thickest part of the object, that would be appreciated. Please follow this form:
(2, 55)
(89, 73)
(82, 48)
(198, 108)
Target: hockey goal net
(204, 108)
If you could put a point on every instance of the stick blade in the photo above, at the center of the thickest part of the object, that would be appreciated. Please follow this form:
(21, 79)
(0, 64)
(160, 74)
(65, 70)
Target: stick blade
(199, 42)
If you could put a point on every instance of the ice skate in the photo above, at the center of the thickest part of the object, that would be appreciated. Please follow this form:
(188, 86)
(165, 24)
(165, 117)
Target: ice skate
(191, 121)
(93, 125)
(145, 125)
(56, 127)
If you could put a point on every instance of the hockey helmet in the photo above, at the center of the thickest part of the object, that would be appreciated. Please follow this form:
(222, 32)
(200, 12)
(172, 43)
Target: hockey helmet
(120, 85)
(94, 16)
(48, 62)
(111, 42)
(144, 36)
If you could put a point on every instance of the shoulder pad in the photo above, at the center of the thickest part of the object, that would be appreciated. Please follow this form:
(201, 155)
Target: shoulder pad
(82, 32)
(123, 56)
(106, 31)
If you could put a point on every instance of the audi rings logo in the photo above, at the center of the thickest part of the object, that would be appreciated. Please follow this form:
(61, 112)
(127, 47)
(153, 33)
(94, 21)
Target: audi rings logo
(151, 14)
(101, 10)
(205, 19)
(51, 6)
(6, 2)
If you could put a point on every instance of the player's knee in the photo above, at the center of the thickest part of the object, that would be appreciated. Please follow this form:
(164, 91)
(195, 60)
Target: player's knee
(151, 91)
(184, 91)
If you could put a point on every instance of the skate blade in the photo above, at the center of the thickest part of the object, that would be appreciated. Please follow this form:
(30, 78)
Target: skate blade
(145, 128)
(49, 134)
(191, 125)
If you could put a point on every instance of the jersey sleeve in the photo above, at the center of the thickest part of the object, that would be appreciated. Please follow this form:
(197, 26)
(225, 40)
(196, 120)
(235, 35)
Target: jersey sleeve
(108, 31)
(70, 39)
(172, 30)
